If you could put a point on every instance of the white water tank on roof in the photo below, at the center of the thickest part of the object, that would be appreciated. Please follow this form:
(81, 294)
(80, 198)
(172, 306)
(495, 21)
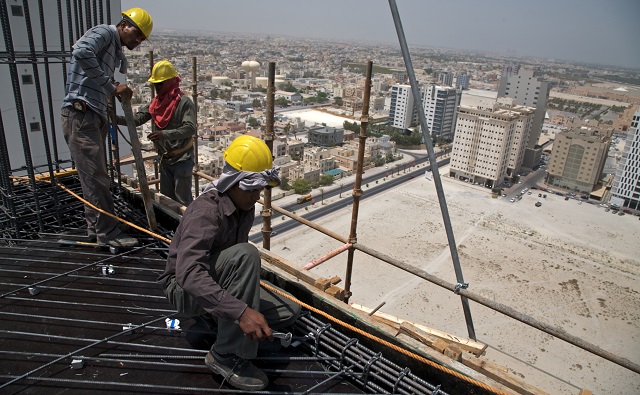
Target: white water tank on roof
(251, 66)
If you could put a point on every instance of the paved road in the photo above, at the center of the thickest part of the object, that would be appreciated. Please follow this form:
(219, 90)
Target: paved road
(411, 173)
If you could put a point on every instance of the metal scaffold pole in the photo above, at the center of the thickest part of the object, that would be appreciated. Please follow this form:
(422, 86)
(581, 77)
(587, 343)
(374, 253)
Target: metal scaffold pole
(194, 94)
(357, 190)
(268, 138)
(432, 159)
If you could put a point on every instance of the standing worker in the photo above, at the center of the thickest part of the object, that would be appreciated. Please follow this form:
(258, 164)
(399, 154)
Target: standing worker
(213, 272)
(90, 85)
(174, 120)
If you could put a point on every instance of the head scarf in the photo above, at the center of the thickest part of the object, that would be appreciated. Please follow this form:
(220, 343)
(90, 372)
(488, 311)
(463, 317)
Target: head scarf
(247, 180)
(166, 101)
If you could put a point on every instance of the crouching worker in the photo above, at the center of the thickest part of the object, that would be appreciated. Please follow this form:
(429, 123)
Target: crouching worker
(213, 273)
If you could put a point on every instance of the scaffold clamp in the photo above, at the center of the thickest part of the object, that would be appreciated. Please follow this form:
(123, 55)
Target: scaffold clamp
(460, 286)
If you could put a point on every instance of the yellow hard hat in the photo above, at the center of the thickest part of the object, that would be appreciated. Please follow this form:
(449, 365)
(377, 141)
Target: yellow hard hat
(141, 19)
(248, 153)
(162, 71)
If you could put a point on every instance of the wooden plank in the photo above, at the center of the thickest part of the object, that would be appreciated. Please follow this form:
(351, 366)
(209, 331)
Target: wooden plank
(470, 345)
(431, 341)
(130, 159)
(286, 266)
(137, 154)
(501, 375)
(57, 174)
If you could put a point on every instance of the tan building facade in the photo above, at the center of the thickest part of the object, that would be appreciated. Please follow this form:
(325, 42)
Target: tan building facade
(490, 141)
(578, 158)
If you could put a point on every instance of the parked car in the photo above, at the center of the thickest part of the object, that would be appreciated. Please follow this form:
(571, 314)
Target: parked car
(538, 204)
(512, 200)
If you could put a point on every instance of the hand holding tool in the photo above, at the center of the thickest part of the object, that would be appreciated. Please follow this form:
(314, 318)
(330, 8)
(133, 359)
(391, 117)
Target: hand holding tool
(285, 338)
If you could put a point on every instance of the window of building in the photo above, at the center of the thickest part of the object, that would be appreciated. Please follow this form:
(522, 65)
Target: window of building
(16, 10)
(35, 126)
(27, 79)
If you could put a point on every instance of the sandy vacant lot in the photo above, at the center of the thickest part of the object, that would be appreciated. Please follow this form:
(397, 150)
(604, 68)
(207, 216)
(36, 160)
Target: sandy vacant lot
(572, 266)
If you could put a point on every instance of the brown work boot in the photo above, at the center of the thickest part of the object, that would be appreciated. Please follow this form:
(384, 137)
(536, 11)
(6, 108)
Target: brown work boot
(239, 372)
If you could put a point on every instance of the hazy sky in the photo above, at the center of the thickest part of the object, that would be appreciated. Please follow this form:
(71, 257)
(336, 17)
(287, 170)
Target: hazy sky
(598, 31)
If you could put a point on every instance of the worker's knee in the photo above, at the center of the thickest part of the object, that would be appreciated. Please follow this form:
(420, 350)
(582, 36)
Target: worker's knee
(244, 257)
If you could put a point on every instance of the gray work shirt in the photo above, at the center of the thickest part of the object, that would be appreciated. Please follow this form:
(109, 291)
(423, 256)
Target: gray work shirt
(94, 59)
(211, 224)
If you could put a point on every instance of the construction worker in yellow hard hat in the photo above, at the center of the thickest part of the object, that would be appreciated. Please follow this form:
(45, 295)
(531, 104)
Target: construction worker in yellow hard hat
(141, 21)
(90, 86)
(213, 272)
(174, 126)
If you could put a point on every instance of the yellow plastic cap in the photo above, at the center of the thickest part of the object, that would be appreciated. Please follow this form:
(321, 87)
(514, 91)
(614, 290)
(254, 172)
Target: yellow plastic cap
(141, 19)
(162, 71)
(248, 153)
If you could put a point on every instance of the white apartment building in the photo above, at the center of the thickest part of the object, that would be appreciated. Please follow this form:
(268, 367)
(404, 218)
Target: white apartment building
(401, 108)
(445, 78)
(489, 142)
(530, 91)
(626, 185)
(440, 108)
(462, 81)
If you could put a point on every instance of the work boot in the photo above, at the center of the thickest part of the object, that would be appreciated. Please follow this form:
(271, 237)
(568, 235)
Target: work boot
(239, 372)
(121, 241)
(92, 236)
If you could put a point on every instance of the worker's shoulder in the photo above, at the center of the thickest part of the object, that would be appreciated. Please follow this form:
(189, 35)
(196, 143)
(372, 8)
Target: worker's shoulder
(187, 101)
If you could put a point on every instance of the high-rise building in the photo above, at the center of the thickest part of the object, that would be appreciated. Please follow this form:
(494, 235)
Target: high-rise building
(490, 141)
(462, 81)
(445, 78)
(401, 108)
(530, 91)
(626, 184)
(42, 76)
(440, 109)
(510, 69)
(577, 159)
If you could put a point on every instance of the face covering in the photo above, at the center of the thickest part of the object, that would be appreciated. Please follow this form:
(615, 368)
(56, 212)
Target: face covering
(166, 101)
(247, 180)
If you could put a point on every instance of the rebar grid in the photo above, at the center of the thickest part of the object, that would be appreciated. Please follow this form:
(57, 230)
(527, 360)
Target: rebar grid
(346, 354)
(139, 341)
(59, 216)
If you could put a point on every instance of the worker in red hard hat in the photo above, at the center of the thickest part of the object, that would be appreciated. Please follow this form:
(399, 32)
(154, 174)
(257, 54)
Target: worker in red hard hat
(88, 92)
(174, 126)
(213, 272)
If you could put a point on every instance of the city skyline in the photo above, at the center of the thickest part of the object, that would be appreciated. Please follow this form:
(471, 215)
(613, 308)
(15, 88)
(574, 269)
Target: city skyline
(592, 31)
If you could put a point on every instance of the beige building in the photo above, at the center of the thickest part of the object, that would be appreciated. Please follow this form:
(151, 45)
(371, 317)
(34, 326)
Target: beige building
(490, 141)
(578, 158)
(310, 175)
(319, 158)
